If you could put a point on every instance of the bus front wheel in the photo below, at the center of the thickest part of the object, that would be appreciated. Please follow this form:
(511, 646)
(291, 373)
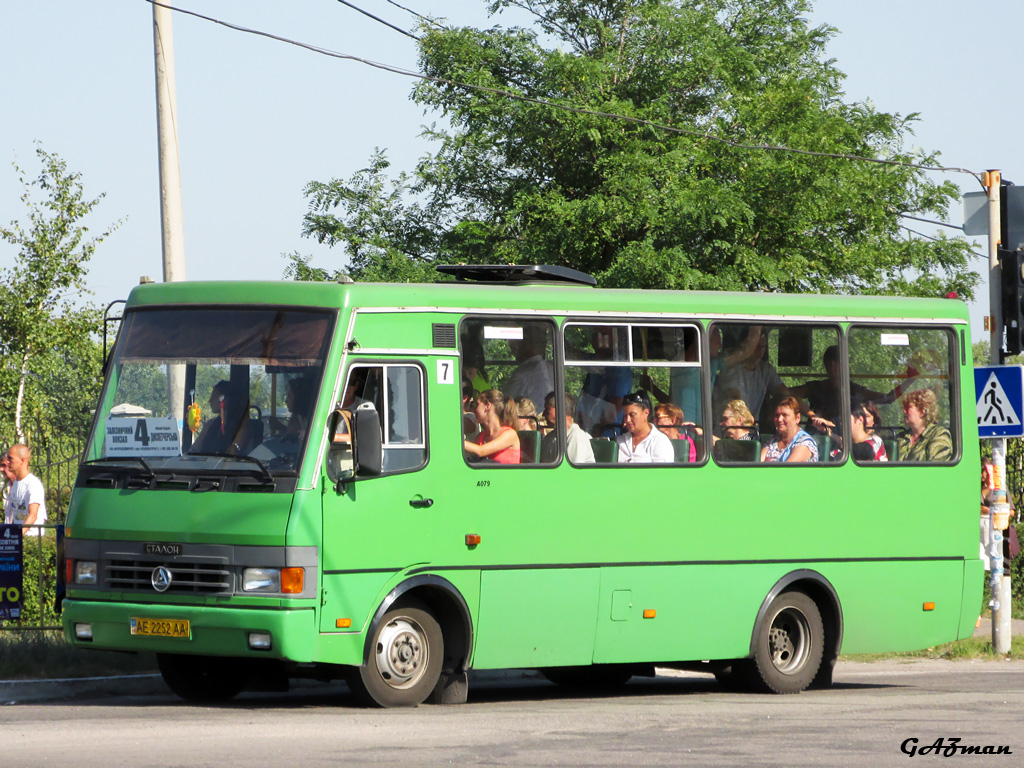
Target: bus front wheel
(203, 679)
(404, 663)
(788, 645)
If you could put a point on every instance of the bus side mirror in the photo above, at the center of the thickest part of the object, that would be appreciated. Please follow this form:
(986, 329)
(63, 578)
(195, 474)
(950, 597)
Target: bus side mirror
(368, 448)
(355, 448)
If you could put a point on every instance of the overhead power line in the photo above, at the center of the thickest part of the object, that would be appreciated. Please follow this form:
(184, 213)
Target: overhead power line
(569, 108)
(378, 19)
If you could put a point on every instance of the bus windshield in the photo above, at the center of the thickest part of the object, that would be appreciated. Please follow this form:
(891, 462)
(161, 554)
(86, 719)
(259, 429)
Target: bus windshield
(212, 389)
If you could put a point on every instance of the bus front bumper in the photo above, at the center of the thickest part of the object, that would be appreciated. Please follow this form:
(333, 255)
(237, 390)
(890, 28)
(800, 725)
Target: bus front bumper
(213, 631)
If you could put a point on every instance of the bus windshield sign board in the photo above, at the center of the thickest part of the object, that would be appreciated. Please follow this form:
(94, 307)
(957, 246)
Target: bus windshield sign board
(1000, 396)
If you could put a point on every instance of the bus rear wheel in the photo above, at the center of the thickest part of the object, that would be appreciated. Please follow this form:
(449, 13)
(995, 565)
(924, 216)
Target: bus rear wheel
(203, 679)
(404, 663)
(788, 645)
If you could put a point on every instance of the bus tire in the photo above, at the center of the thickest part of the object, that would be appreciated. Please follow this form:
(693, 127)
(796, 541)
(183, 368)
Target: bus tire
(203, 679)
(788, 645)
(404, 663)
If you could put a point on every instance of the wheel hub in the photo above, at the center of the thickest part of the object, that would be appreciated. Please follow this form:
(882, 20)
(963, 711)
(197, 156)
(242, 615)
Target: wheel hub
(788, 641)
(402, 653)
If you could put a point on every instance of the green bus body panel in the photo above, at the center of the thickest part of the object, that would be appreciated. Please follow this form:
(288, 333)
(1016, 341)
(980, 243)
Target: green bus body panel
(569, 558)
(215, 631)
(252, 519)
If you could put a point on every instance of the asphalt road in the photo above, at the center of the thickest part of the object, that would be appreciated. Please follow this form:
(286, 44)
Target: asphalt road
(681, 719)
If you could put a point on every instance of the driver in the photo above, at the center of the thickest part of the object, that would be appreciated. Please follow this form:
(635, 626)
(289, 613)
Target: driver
(229, 431)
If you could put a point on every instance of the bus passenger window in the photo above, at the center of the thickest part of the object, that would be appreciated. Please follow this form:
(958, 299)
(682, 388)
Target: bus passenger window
(900, 385)
(657, 367)
(774, 387)
(506, 364)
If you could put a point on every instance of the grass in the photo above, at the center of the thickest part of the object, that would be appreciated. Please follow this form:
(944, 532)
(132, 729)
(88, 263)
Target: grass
(38, 654)
(959, 650)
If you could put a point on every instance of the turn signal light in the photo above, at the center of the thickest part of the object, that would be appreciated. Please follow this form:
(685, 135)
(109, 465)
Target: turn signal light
(472, 539)
(928, 607)
(650, 613)
(292, 580)
(343, 623)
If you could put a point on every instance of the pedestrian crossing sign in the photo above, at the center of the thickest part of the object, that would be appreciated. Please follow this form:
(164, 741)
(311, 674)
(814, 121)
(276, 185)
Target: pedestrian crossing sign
(1000, 393)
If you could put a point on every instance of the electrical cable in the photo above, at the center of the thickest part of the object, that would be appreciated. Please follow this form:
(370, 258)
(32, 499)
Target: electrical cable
(578, 110)
(378, 19)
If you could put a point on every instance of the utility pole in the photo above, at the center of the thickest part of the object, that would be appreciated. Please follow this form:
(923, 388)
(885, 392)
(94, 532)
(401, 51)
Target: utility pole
(999, 508)
(170, 181)
(167, 139)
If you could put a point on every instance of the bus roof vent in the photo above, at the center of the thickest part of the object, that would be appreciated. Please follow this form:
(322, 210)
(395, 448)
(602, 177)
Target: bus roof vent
(517, 273)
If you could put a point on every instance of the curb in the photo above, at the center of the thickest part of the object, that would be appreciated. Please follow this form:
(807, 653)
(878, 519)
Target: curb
(70, 688)
(26, 691)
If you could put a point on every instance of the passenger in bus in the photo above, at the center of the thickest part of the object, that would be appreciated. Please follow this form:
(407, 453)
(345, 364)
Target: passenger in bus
(669, 418)
(299, 401)
(498, 439)
(925, 440)
(823, 395)
(533, 376)
(473, 371)
(527, 414)
(790, 443)
(229, 432)
(737, 422)
(470, 429)
(746, 374)
(600, 400)
(641, 442)
(577, 442)
(867, 446)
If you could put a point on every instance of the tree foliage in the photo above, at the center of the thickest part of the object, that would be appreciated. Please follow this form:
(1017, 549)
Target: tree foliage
(48, 354)
(636, 204)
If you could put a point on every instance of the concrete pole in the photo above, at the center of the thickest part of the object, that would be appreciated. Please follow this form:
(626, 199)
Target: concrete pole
(170, 183)
(999, 508)
(167, 138)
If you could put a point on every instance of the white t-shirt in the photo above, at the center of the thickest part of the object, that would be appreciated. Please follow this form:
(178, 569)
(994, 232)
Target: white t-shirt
(578, 447)
(22, 494)
(656, 448)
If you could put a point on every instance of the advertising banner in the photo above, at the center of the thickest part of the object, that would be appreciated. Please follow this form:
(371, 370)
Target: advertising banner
(10, 572)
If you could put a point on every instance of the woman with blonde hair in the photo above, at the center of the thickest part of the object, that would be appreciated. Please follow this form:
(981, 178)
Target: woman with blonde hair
(498, 418)
(925, 439)
(737, 421)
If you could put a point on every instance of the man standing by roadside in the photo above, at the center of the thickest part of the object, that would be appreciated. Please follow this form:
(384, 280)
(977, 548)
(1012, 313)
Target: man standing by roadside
(26, 499)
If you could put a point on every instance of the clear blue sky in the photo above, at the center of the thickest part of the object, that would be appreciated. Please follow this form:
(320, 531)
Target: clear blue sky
(259, 119)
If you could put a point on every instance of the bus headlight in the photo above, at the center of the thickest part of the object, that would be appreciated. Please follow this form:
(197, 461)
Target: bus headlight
(85, 572)
(261, 580)
(290, 581)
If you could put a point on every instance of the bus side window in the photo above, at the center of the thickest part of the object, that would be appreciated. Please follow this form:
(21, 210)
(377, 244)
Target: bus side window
(761, 370)
(901, 386)
(515, 359)
(608, 365)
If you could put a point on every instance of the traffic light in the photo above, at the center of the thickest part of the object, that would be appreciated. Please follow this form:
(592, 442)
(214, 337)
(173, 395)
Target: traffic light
(1011, 267)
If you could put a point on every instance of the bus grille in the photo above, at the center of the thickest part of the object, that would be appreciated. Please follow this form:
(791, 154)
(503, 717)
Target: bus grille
(186, 578)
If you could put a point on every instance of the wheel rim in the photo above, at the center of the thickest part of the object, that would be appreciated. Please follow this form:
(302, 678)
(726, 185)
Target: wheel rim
(403, 653)
(789, 641)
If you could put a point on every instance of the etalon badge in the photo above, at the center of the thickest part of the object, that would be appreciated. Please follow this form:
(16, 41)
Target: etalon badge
(161, 579)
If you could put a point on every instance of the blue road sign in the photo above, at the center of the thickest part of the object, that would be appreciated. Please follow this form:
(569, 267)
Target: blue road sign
(1000, 394)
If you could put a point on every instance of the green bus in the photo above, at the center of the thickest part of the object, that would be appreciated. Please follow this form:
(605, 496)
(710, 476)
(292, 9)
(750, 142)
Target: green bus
(283, 480)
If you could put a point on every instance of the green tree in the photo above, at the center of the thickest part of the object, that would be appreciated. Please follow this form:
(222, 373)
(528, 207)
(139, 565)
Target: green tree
(637, 205)
(48, 355)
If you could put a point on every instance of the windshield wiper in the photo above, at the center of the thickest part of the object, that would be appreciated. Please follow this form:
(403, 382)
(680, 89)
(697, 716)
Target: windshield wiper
(145, 470)
(263, 474)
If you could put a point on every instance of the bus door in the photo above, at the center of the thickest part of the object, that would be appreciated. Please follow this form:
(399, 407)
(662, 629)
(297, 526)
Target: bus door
(377, 525)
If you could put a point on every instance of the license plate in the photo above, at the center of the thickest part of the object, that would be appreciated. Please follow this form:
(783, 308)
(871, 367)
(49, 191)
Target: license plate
(162, 628)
